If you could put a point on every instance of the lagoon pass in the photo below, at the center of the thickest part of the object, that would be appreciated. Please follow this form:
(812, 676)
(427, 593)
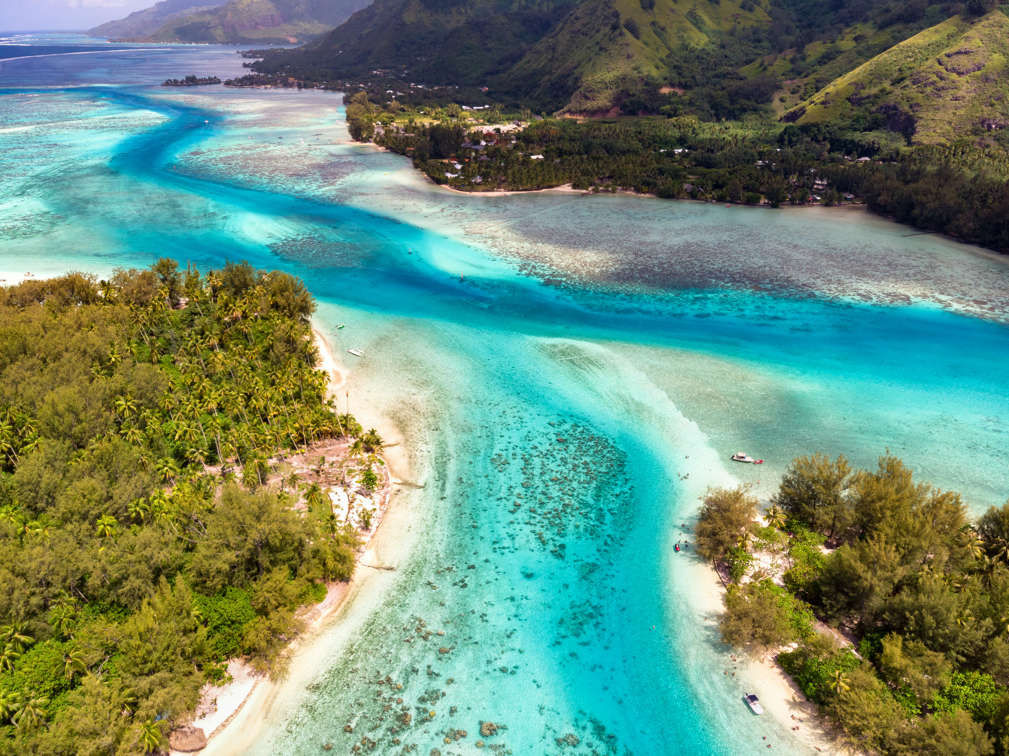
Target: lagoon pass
(569, 374)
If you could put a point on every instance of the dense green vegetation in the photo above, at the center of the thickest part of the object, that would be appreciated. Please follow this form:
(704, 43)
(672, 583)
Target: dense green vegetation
(959, 189)
(191, 81)
(944, 83)
(454, 42)
(712, 59)
(897, 567)
(899, 105)
(144, 537)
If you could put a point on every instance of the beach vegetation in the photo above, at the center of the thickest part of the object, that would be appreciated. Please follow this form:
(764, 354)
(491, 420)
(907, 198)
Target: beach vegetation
(725, 522)
(807, 558)
(145, 534)
(762, 615)
(814, 491)
(917, 659)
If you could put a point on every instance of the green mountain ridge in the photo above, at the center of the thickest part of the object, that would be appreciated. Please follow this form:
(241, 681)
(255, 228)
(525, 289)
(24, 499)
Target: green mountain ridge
(145, 22)
(950, 80)
(255, 21)
(929, 71)
(434, 41)
(604, 44)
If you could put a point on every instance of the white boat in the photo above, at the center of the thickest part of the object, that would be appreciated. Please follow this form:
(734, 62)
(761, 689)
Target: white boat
(743, 457)
(356, 352)
(754, 703)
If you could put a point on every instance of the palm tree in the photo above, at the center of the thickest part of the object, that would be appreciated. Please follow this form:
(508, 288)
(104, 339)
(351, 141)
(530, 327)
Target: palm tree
(35, 529)
(775, 517)
(9, 657)
(126, 407)
(371, 440)
(10, 702)
(107, 526)
(138, 509)
(32, 713)
(16, 636)
(168, 469)
(63, 615)
(162, 508)
(10, 516)
(73, 664)
(315, 497)
(151, 737)
(7, 440)
(130, 702)
(195, 455)
(973, 543)
(840, 682)
(132, 434)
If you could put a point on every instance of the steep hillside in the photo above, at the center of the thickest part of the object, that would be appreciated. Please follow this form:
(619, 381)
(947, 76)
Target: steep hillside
(259, 21)
(143, 23)
(434, 41)
(602, 45)
(948, 81)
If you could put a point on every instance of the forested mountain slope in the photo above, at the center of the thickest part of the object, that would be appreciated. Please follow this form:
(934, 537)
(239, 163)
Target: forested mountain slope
(143, 23)
(717, 59)
(949, 81)
(252, 21)
(605, 46)
(432, 41)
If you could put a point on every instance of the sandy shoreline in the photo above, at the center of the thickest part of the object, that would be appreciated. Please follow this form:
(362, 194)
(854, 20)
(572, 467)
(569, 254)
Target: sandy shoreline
(780, 697)
(569, 189)
(562, 189)
(244, 705)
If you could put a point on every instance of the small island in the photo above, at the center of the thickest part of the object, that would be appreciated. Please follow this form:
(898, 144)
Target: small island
(192, 81)
(179, 498)
(878, 596)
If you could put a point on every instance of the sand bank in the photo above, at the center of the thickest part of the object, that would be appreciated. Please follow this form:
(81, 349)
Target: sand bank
(562, 189)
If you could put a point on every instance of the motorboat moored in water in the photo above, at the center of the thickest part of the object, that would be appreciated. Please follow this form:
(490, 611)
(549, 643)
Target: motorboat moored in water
(743, 457)
(356, 352)
(754, 703)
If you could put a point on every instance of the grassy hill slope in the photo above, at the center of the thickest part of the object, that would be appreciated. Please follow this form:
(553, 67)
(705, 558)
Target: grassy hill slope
(262, 21)
(145, 22)
(949, 81)
(604, 44)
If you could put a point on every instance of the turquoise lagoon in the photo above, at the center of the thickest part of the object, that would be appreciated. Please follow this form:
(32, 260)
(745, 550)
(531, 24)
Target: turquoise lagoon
(569, 374)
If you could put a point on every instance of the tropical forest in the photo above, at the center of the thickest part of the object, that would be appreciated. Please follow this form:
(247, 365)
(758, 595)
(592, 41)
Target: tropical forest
(149, 529)
(882, 599)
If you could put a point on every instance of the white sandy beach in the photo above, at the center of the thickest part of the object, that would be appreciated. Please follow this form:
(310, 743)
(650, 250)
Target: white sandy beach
(243, 709)
(780, 697)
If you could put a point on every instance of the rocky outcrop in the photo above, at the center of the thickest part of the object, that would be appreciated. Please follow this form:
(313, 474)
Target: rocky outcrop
(187, 739)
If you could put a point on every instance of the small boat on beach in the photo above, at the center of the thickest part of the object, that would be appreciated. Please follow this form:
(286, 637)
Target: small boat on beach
(356, 352)
(742, 457)
(754, 703)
